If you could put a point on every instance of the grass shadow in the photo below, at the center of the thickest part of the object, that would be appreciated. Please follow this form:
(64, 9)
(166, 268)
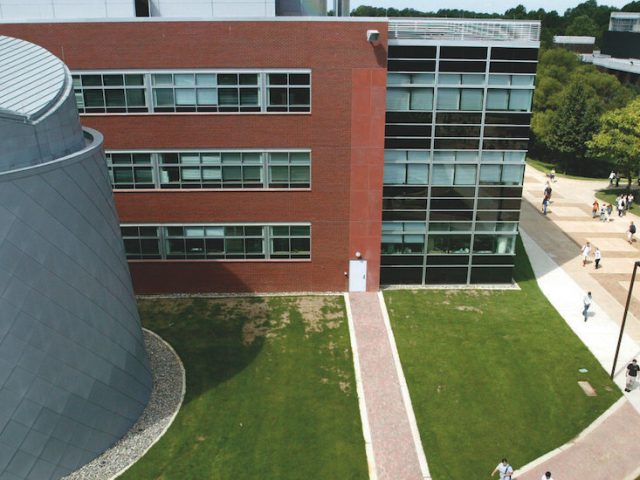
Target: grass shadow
(207, 335)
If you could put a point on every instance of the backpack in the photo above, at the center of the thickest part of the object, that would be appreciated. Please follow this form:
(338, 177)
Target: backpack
(632, 228)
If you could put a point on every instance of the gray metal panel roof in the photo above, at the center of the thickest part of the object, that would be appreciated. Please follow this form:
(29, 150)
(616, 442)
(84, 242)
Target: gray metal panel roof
(31, 78)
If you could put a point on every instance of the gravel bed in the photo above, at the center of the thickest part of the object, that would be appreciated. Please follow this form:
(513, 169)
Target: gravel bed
(165, 402)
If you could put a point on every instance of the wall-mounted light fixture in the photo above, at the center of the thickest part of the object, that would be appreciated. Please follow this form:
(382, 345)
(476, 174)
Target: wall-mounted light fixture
(358, 255)
(373, 36)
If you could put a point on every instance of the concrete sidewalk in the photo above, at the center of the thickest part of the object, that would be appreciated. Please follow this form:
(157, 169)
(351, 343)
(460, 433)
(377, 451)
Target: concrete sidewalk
(610, 447)
(389, 425)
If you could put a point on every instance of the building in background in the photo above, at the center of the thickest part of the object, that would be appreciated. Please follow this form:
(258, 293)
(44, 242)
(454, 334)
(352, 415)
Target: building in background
(74, 375)
(577, 44)
(309, 154)
(620, 54)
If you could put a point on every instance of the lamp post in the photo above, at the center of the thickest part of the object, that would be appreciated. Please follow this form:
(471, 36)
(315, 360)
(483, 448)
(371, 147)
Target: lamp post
(624, 317)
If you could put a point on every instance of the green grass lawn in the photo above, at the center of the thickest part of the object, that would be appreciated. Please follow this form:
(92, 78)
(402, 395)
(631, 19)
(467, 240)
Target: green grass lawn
(545, 167)
(493, 374)
(270, 391)
(609, 195)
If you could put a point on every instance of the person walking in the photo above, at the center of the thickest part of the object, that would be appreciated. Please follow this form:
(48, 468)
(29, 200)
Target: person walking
(597, 256)
(587, 303)
(612, 177)
(603, 212)
(545, 205)
(609, 211)
(504, 469)
(631, 231)
(546, 476)
(620, 205)
(594, 209)
(586, 250)
(632, 375)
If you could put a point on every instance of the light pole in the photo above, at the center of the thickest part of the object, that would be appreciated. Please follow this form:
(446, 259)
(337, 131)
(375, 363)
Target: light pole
(624, 317)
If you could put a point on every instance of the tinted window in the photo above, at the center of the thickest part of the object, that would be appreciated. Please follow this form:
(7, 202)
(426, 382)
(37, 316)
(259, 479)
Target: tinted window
(409, 117)
(411, 66)
(513, 67)
(464, 118)
(412, 52)
(452, 66)
(514, 53)
(463, 52)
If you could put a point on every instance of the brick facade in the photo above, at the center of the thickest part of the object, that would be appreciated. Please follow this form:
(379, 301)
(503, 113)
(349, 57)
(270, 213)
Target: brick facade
(345, 132)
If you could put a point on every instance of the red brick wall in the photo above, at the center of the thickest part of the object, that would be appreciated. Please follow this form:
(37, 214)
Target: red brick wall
(345, 132)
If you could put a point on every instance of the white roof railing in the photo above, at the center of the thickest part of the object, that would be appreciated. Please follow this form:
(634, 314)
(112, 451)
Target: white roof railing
(464, 29)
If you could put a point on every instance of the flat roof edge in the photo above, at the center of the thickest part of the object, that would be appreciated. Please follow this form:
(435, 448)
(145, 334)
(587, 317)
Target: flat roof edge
(196, 19)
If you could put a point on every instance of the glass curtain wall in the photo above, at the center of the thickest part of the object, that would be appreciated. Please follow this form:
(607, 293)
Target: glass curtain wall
(457, 130)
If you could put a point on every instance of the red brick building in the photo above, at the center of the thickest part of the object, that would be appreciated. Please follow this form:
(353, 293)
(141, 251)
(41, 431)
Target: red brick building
(339, 132)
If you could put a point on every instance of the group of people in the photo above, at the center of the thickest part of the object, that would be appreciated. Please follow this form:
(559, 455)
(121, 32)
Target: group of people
(623, 203)
(506, 471)
(603, 210)
(586, 253)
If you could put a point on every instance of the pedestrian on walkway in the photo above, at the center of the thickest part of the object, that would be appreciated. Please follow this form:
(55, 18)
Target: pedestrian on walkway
(595, 208)
(620, 205)
(632, 375)
(603, 212)
(552, 175)
(505, 470)
(587, 303)
(545, 205)
(612, 177)
(547, 191)
(546, 476)
(609, 212)
(597, 256)
(631, 231)
(586, 250)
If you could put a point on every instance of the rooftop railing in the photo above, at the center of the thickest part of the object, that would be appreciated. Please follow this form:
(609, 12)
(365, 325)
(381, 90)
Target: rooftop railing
(464, 29)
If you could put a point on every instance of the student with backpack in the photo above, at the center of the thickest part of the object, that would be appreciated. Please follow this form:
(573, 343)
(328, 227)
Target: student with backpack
(631, 231)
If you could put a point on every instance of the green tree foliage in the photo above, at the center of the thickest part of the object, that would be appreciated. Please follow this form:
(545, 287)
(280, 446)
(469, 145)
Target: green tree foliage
(632, 7)
(583, 25)
(572, 125)
(558, 70)
(618, 139)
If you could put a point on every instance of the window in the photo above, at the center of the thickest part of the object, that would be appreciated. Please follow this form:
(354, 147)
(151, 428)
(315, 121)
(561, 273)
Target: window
(406, 167)
(494, 244)
(403, 238)
(205, 92)
(215, 169)
(289, 92)
(449, 243)
(501, 174)
(193, 91)
(405, 99)
(110, 93)
(130, 170)
(460, 99)
(217, 242)
(289, 169)
(290, 241)
(514, 100)
(141, 242)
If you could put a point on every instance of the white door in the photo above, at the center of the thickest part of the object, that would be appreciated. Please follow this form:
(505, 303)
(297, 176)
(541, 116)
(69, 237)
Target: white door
(357, 275)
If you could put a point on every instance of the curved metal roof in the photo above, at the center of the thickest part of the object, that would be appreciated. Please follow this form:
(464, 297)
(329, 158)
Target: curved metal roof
(32, 79)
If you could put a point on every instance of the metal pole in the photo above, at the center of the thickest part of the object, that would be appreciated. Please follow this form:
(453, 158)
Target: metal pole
(624, 318)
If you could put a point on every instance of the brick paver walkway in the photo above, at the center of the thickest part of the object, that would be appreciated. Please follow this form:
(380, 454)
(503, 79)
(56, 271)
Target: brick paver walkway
(394, 450)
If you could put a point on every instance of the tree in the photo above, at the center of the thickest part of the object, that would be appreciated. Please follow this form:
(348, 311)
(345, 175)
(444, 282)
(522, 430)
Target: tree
(572, 125)
(618, 139)
(582, 25)
(632, 7)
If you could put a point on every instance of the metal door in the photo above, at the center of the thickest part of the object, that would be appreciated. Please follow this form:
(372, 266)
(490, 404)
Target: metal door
(357, 275)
